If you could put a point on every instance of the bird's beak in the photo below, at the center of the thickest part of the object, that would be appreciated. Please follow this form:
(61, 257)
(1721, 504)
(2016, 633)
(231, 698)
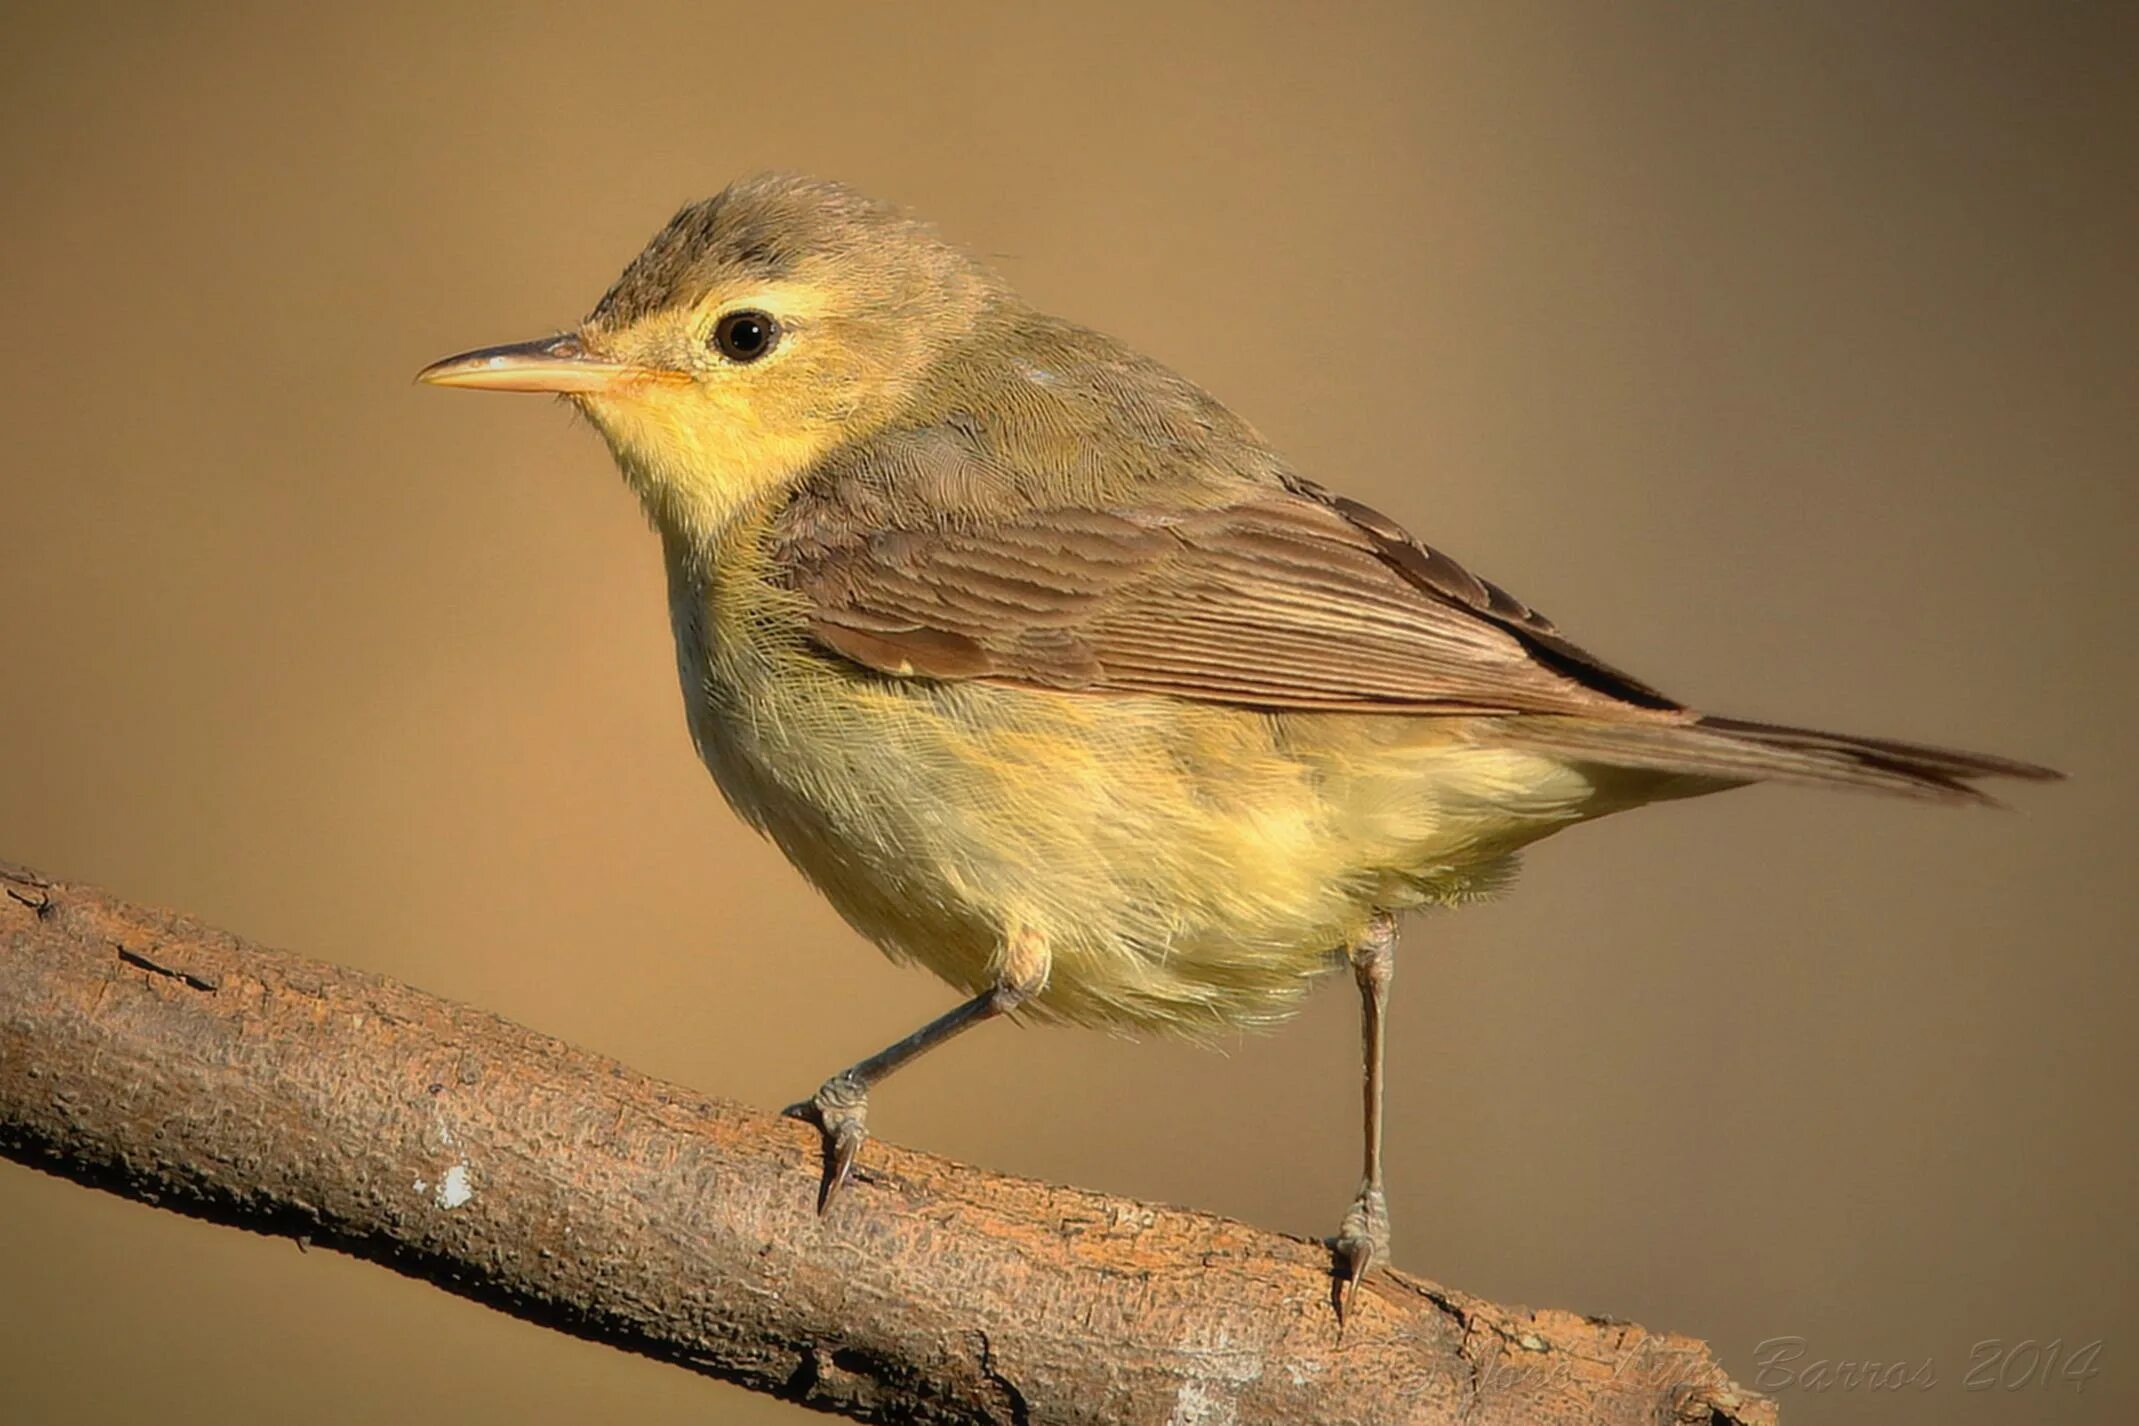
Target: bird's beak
(559, 364)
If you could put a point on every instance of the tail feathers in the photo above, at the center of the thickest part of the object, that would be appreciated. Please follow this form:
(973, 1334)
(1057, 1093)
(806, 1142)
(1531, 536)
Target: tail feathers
(1731, 750)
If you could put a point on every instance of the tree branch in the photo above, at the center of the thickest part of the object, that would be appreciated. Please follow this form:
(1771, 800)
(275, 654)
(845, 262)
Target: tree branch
(146, 1054)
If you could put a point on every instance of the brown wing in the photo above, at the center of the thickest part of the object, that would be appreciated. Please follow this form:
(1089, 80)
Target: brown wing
(1288, 599)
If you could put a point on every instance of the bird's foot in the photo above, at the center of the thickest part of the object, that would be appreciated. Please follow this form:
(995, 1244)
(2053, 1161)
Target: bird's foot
(840, 1108)
(1361, 1243)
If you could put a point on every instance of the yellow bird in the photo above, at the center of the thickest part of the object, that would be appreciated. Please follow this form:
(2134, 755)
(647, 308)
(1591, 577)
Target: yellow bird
(1054, 677)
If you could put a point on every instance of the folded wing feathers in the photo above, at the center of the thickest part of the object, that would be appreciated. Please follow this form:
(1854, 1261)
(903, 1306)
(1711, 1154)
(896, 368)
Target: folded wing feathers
(1279, 602)
(1299, 600)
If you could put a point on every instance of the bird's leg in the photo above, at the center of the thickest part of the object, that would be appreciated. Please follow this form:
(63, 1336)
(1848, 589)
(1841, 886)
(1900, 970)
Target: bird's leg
(1363, 1241)
(840, 1107)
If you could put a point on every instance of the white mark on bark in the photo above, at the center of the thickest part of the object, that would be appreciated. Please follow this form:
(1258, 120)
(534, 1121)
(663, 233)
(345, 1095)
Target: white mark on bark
(1215, 1374)
(454, 1189)
(1194, 1405)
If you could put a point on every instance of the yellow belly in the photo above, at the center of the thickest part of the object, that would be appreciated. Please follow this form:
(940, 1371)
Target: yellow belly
(1191, 867)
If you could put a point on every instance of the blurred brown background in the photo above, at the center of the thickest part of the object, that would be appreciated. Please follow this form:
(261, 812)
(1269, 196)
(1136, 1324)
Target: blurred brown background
(1785, 354)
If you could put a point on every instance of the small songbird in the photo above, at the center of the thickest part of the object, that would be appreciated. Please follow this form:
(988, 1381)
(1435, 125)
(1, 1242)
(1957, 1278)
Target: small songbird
(1055, 678)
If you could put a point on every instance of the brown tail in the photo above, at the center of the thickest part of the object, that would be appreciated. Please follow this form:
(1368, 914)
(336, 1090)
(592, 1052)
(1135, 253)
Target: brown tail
(1731, 750)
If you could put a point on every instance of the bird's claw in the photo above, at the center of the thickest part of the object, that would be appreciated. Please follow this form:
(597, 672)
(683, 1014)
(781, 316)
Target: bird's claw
(840, 1108)
(1361, 1243)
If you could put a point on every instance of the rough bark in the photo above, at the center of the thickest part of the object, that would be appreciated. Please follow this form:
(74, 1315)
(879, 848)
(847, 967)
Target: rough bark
(144, 1053)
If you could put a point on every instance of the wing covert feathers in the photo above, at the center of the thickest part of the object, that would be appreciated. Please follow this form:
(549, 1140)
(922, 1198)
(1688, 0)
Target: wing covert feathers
(1281, 598)
(1279, 601)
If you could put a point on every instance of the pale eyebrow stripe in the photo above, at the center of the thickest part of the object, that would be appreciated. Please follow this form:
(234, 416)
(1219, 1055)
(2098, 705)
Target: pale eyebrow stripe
(785, 300)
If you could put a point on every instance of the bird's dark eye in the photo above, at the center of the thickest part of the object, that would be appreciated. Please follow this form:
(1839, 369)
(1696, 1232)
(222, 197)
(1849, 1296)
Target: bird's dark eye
(745, 336)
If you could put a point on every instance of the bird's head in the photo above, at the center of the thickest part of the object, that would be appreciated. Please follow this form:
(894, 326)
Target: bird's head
(758, 331)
